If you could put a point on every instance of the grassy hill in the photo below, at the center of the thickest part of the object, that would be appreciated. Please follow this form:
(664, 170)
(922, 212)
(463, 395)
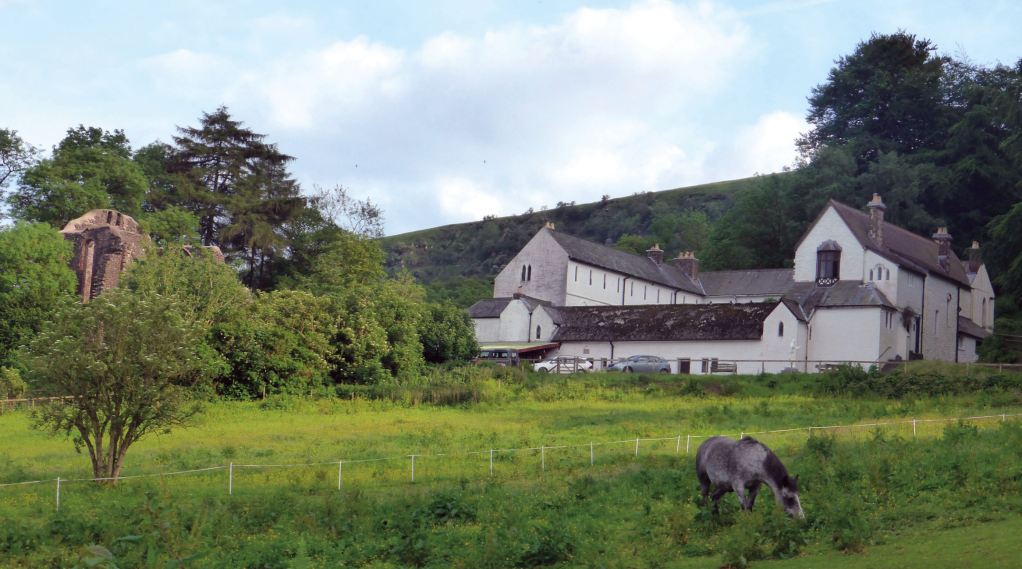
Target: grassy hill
(456, 260)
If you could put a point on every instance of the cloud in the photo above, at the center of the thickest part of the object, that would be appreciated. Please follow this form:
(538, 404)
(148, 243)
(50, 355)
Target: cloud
(187, 73)
(604, 101)
(766, 146)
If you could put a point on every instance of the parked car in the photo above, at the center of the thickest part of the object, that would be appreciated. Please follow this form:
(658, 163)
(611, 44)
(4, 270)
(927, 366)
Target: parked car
(641, 364)
(563, 365)
(500, 356)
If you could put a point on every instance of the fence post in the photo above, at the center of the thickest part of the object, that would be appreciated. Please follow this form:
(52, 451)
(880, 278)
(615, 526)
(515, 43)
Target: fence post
(413, 468)
(340, 473)
(491, 462)
(678, 450)
(58, 493)
(542, 451)
(636, 447)
(688, 443)
(913, 427)
(230, 481)
(592, 456)
(741, 436)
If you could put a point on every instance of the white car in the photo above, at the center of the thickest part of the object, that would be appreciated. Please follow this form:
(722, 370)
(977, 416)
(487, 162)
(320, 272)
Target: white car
(563, 365)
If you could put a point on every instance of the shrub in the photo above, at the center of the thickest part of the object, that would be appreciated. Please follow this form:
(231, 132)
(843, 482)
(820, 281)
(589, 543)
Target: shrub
(744, 543)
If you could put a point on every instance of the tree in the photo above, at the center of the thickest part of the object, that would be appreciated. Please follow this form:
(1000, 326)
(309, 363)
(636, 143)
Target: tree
(239, 188)
(633, 244)
(888, 96)
(90, 169)
(359, 217)
(447, 334)
(34, 276)
(119, 360)
(16, 156)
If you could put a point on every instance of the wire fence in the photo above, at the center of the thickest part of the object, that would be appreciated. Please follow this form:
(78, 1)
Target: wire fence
(543, 451)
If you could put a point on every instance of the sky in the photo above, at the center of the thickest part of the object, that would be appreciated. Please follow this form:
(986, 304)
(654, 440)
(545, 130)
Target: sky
(449, 110)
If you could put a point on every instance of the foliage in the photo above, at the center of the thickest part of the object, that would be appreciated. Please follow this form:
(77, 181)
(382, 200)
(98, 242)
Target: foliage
(11, 384)
(335, 205)
(463, 292)
(89, 169)
(16, 156)
(447, 334)
(119, 359)
(34, 276)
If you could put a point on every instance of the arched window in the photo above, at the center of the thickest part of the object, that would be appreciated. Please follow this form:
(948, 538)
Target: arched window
(984, 323)
(576, 273)
(523, 272)
(590, 277)
(828, 263)
(604, 281)
(871, 274)
(538, 332)
(887, 273)
(631, 291)
(529, 278)
(780, 329)
(644, 289)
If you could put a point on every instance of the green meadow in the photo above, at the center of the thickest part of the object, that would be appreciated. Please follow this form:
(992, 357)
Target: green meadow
(879, 496)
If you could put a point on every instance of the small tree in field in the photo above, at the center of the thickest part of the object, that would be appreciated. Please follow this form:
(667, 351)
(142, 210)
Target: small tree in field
(119, 360)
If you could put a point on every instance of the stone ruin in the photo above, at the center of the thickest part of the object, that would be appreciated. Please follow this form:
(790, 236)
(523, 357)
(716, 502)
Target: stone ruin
(105, 241)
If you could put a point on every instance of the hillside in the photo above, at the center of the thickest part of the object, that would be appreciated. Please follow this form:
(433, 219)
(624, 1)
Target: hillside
(444, 257)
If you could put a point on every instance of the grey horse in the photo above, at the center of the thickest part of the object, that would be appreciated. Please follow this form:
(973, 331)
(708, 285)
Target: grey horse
(734, 466)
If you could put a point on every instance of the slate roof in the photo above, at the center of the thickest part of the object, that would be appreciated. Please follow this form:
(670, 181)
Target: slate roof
(660, 323)
(493, 307)
(624, 262)
(970, 328)
(766, 282)
(842, 294)
(912, 251)
(488, 308)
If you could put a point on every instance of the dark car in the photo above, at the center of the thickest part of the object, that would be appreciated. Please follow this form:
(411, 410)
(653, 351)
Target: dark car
(641, 364)
(501, 356)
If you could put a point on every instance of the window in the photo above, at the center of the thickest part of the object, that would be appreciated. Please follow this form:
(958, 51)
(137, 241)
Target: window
(871, 274)
(538, 331)
(631, 291)
(828, 264)
(936, 318)
(644, 289)
(887, 274)
(984, 323)
(576, 273)
(604, 281)
(658, 296)
(523, 272)
(810, 332)
(780, 329)
(618, 289)
(590, 277)
(530, 273)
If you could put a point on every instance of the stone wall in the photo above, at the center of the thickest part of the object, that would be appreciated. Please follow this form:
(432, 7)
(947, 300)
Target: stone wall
(104, 241)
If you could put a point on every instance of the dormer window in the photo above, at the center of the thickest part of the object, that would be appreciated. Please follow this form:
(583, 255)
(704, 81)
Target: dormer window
(828, 264)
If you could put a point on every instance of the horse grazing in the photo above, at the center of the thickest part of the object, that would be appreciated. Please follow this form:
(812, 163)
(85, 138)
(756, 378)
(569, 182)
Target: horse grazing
(734, 466)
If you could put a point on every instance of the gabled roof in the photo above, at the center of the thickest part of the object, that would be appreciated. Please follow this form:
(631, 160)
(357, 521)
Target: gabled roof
(494, 307)
(660, 323)
(914, 252)
(970, 328)
(623, 262)
(844, 294)
(759, 282)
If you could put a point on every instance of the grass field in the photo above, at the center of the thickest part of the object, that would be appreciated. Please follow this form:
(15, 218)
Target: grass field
(881, 491)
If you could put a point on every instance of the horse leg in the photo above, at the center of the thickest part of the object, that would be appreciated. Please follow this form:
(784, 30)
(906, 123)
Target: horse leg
(740, 492)
(753, 491)
(704, 483)
(718, 493)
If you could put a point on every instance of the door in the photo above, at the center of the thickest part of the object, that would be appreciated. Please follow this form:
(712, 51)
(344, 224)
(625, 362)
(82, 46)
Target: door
(685, 366)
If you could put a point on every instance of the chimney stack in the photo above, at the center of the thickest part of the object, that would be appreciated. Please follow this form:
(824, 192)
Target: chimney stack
(518, 294)
(876, 220)
(943, 241)
(549, 225)
(688, 264)
(656, 254)
(975, 258)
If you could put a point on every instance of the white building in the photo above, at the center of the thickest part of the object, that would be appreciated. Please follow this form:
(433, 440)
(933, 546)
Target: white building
(861, 290)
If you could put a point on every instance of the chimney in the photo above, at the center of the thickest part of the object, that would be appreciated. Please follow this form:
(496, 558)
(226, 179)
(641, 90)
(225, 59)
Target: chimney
(549, 225)
(656, 254)
(975, 258)
(876, 220)
(943, 241)
(517, 294)
(688, 264)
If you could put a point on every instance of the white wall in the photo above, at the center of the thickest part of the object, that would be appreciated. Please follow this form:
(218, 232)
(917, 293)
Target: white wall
(541, 318)
(981, 289)
(967, 349)
(514, 322)
(845, 334)
(940, 320)
(830, 227)
(885, 274)
(549, 264)
(487, 330)
(604, 288)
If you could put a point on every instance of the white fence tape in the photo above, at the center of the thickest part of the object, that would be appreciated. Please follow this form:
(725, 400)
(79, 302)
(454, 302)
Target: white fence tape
(592, 455)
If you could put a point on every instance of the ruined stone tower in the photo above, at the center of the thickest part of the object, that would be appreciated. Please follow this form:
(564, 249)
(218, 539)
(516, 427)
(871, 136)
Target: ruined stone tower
(104, 242)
